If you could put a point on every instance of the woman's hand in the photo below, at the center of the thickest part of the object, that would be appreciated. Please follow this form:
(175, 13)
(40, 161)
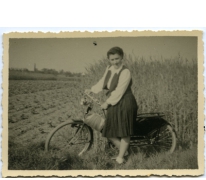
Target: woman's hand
(104, 105)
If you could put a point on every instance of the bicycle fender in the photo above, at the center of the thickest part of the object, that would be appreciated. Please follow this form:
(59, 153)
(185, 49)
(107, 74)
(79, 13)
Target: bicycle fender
(145, 125)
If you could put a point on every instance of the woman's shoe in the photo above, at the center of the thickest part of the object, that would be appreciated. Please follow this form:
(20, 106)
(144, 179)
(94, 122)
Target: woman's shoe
(120, 160)
(125, 154)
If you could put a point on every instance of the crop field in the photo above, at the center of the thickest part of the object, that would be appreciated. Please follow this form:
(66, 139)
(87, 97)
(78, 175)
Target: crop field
(37, 106)
(22, 75)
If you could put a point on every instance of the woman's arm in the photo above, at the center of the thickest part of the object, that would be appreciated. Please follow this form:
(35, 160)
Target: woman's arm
(117, 94)
(99, 86)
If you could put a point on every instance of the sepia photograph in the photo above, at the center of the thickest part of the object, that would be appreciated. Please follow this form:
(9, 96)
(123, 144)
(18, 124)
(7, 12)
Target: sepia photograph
(126, 103)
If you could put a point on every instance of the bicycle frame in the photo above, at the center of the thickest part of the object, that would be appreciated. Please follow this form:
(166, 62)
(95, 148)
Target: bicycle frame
(150, 130)
(147, 127)
(145, 122)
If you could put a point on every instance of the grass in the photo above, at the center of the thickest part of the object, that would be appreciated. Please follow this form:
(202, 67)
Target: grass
(33, 157)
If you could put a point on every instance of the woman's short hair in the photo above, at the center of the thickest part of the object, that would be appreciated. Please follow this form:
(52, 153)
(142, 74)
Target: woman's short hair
(115, 50)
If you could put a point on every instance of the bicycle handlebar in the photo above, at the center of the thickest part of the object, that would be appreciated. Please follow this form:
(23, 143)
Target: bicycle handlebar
(94, 99)
(97, 101)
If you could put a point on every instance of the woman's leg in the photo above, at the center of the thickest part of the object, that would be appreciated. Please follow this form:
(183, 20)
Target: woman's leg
(124, 144)
(116, 142)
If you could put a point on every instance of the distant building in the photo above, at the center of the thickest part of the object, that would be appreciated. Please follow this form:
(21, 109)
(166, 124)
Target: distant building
(35, 69)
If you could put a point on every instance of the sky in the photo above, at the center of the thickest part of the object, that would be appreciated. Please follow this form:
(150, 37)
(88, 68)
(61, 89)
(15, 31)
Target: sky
(74, 54)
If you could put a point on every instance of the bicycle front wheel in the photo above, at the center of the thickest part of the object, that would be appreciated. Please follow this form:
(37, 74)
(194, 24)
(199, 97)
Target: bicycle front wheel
(69, 137)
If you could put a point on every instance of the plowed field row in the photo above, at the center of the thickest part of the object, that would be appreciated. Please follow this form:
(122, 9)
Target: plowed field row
(33, 114)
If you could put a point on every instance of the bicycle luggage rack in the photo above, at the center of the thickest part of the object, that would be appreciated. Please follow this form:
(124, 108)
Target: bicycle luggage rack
(145, 115)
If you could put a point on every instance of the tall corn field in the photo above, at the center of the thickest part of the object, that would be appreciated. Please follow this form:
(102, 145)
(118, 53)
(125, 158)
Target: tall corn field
(161, 85)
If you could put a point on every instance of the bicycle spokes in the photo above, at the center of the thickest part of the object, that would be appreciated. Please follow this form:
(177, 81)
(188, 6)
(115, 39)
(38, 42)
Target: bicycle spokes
(72, 138)
(163, 139)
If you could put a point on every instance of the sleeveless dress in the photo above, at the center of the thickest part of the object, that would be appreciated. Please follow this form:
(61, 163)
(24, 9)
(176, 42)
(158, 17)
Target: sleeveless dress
(121, 117)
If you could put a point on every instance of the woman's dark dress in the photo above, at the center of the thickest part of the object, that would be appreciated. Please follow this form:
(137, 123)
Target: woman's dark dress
(121, 117)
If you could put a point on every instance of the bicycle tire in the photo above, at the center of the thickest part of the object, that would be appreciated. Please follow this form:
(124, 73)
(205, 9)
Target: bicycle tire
(164, 139)
(62, 138)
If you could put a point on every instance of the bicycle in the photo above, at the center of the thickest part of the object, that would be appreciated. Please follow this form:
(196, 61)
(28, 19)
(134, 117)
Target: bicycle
(152, 131)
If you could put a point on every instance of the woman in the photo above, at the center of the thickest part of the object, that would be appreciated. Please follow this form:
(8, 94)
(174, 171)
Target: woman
(121, 105)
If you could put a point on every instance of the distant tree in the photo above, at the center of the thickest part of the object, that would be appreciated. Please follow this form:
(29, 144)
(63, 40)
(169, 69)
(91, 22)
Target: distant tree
(44, 70)
(77, 74)
(68, 74)
(61, 71)
(49, 71)
(53, 71)
(25, 70)
(18, 69)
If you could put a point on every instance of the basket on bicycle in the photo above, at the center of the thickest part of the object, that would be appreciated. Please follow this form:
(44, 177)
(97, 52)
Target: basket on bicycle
(95, 121)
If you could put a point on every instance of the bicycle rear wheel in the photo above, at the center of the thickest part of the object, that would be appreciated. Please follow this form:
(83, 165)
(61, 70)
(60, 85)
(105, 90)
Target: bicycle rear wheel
(72, 137)
(163, 139)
